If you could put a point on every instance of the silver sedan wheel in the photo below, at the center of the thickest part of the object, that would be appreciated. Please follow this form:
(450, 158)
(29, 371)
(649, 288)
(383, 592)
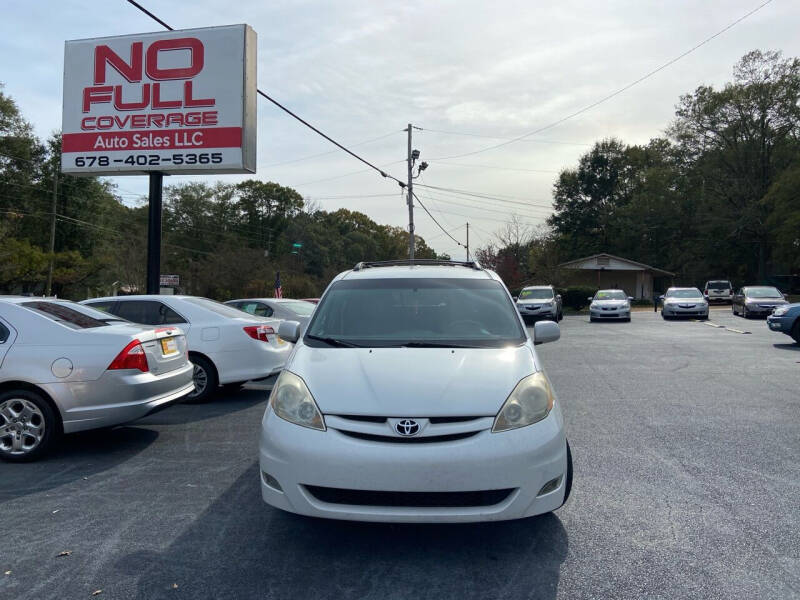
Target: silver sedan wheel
(200, 378)
(21, 426)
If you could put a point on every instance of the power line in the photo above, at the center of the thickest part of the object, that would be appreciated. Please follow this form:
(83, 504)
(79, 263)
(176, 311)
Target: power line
(287, 111)
(438, 235)
(496, 197)
(349, 175)
(444, 162)
(437, 222)
(494, 137)
(504, 221)
(493, 209)
(613, 94)
(311, 156)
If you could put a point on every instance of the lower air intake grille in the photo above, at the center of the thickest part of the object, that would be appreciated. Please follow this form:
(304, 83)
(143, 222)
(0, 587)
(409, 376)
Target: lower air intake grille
(391, 439)
(408, 499)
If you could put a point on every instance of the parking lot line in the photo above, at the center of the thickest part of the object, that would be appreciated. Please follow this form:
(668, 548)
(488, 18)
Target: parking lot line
(737, 330)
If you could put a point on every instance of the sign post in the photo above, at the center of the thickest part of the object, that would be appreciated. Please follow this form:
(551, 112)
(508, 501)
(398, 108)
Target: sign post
(175, 102)
(154, 232)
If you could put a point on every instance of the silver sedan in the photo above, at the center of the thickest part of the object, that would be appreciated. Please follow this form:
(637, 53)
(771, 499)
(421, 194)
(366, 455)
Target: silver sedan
(684, 302)
(66, 367)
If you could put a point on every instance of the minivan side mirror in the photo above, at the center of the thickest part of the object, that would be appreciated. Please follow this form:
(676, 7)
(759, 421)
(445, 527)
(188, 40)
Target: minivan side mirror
(289, 330)
(546, 331)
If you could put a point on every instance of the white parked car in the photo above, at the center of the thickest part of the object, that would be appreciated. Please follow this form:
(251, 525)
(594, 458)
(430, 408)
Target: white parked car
(610, 305)
(415, 394)
(66, 368)
(285, 309)
(684, 302)
(539, 301)
(226, 346)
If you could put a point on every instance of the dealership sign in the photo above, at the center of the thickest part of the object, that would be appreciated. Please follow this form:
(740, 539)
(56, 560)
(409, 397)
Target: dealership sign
(173, 102)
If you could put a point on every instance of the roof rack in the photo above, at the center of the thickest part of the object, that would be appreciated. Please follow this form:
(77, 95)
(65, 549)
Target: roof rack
(422, 262)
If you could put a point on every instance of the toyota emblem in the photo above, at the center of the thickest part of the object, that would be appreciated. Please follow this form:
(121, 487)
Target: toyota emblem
(407, 427)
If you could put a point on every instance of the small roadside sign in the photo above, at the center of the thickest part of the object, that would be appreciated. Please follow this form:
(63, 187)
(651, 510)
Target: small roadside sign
(169, 280)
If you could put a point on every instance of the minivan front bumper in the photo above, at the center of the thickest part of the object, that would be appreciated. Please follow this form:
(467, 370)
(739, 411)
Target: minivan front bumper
(486, 477)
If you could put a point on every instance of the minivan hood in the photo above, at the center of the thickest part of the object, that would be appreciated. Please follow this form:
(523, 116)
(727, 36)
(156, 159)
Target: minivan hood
(411, 382)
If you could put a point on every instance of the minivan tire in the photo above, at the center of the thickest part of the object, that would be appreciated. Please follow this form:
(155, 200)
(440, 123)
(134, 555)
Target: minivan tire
(47, 416)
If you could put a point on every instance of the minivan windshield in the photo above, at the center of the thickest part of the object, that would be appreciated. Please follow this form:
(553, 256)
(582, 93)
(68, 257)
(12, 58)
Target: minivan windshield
(536, 294)
(393, 312)
(692, 293)
(763, 292)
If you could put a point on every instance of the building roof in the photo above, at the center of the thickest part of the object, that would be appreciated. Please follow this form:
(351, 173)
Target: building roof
(586, 264)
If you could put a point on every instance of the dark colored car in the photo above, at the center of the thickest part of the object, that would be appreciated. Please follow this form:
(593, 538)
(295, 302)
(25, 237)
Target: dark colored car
(757, 301)
(786, 319)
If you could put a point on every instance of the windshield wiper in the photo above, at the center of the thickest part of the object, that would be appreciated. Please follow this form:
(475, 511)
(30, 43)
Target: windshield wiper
(433, 345)
(333, 341)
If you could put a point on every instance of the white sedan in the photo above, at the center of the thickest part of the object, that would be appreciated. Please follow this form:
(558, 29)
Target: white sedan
(684, 302)
(226, 346)
(610, 305)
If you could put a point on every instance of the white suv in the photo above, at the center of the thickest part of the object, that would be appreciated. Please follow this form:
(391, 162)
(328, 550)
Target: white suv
(415, 395)
(718, 290)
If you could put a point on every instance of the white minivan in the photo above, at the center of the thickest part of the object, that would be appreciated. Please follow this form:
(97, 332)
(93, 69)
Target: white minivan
(415, 395)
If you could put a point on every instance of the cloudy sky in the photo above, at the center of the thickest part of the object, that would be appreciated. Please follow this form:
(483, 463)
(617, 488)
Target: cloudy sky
(363, 70)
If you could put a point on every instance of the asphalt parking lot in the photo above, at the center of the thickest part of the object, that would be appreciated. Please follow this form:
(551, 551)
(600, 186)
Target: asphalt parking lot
(686, 441)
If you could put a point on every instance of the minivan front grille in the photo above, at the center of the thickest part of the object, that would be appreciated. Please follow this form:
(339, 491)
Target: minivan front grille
(392, 439)
(480, 498)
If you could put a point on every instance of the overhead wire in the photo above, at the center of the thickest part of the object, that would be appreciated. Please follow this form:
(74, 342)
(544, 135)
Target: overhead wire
(521, 170)
(494, 137)
(329, 152)
(613, 94)
(435, 221)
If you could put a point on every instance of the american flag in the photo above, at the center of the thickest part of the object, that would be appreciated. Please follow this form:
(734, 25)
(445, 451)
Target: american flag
(278, 288)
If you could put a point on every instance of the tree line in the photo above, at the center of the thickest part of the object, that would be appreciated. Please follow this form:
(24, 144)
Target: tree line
(717, 196)
(224, 240)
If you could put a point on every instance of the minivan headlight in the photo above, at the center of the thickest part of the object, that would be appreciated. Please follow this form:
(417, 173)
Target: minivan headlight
(530, 402)
(291, 401)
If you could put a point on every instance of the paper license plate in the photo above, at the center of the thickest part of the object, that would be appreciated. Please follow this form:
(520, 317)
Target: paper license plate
(169, 346)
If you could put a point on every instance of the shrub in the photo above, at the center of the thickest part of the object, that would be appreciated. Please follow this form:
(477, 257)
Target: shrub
(576, 297)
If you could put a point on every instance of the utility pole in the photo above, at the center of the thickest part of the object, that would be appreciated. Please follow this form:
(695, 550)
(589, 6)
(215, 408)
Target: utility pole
(154, 233)
(49, 287)
(410, 190)
(467, 242)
